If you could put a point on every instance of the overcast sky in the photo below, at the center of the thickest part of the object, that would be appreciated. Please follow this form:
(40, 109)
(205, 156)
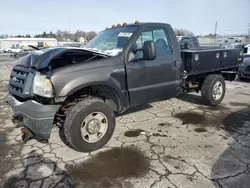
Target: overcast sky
(199, 16)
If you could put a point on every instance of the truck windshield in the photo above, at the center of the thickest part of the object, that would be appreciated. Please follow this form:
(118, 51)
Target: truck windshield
(111, 41)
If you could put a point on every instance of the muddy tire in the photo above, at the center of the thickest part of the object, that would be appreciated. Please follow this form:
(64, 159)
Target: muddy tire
(89, 125)
(213, 89)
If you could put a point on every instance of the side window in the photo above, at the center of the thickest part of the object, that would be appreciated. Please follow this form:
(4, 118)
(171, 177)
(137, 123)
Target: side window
(145, 36)
(162, 42)
(160, 38)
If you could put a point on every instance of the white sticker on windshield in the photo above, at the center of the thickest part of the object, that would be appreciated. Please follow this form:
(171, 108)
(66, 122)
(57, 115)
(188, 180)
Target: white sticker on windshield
(122, 34)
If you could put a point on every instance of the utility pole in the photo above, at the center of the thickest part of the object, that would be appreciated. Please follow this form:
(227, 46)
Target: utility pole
(215, 31)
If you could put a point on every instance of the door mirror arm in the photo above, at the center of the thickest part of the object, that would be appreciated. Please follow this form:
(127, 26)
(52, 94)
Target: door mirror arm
(138, 58)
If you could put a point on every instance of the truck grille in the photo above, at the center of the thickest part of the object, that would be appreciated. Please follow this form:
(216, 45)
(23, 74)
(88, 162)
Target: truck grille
(20, 82)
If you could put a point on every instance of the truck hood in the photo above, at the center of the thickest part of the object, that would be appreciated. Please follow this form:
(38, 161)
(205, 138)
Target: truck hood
(41, 58)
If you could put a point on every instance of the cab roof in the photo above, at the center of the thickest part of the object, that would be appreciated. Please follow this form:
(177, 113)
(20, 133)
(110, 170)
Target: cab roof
(138, 24)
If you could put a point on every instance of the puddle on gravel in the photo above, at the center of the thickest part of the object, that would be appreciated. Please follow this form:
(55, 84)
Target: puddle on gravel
(205, 120)
(110, 165)
(159, 135)
(133, 133)
(164, 124)
(208, 146)
(200, 130)
(190, 118)
(239, 104)
(216, 108)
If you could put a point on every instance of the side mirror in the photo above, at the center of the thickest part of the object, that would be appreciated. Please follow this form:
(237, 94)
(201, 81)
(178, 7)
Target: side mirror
(149, 50)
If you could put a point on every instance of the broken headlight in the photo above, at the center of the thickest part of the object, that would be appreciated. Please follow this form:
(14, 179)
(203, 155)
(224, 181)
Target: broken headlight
(42, 86)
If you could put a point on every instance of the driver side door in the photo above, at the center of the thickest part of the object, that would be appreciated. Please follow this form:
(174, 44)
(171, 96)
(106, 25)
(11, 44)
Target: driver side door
(152, 80)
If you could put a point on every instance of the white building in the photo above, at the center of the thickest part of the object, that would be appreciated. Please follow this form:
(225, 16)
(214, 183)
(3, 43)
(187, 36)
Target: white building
(24, 42)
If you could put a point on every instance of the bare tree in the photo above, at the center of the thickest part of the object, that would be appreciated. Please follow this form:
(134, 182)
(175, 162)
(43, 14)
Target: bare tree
(183, 32)
(90, 35)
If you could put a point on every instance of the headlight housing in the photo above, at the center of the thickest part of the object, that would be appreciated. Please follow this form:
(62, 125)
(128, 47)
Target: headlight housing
(42, 86)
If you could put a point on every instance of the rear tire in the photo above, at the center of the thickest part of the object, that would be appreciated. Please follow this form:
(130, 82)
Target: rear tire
(81, 125)
(213, 89)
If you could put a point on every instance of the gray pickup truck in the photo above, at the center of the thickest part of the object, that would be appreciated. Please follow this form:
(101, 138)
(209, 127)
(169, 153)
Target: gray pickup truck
(82, 89)
(244, 68)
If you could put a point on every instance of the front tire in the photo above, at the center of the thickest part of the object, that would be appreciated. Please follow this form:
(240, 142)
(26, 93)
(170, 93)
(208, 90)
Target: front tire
(89, 125)
(213, 89)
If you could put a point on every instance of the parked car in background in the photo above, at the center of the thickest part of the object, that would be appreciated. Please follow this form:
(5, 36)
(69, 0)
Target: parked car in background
(13, 50)
(24, 52)
(233, 39)
(244, 68)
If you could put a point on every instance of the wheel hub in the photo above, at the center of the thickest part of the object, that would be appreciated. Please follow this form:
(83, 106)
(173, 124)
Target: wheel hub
(217, 90)
(93, 126)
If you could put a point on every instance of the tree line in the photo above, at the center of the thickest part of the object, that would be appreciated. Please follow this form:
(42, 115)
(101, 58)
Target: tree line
(61, 35)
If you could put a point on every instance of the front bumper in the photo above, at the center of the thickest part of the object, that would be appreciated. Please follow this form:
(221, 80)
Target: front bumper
(38, 118)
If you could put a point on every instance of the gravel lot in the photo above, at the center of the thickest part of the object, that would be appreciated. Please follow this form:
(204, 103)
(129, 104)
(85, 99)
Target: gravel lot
(175, 143)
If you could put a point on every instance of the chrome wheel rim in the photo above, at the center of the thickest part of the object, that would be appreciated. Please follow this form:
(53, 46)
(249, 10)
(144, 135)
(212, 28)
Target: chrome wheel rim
(217, 90)
(94, 127)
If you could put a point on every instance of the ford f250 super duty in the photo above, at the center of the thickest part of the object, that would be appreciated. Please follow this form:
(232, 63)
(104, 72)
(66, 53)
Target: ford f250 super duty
(81, 89)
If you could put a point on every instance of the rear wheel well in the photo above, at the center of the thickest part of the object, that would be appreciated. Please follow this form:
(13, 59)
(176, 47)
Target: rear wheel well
(195, 82)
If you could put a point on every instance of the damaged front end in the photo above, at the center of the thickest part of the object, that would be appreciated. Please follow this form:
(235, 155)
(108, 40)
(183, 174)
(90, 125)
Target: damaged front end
(31, 91)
